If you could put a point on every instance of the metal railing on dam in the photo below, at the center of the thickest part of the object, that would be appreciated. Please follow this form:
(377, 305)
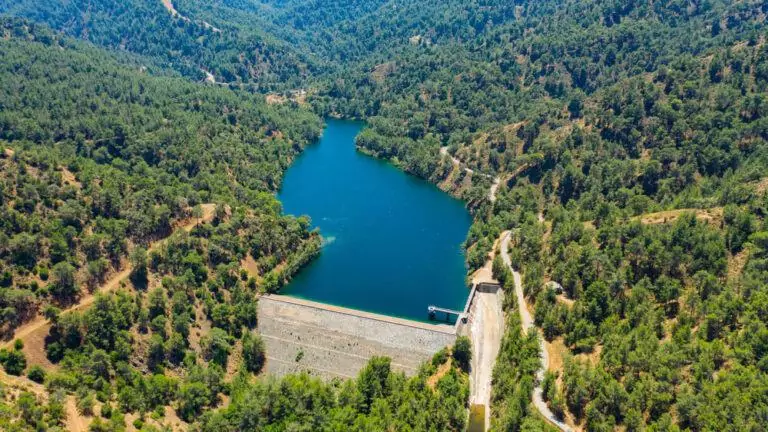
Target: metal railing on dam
(331, 341)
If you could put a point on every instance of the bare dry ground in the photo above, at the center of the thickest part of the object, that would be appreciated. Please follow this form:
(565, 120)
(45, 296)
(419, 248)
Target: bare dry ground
(441, 371)
(712, 215)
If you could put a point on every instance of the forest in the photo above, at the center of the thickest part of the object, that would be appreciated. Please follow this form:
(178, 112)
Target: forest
(628, 139)
(188, 47)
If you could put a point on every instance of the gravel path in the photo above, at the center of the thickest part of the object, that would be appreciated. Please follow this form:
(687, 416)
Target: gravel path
(528, 325)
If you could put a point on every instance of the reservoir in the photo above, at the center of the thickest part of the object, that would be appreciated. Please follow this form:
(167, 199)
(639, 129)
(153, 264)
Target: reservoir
(392, 241)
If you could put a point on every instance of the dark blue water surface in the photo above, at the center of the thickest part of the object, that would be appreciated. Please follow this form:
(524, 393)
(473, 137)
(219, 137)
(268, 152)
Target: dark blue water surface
(392, 240)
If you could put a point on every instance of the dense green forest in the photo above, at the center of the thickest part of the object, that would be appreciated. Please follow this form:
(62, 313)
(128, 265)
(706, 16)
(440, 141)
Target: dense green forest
(102, 158)
(110, 166)
(233, 56)
(628, 137)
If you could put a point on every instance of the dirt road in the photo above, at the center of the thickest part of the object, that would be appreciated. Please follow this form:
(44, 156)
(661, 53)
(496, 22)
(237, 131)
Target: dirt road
(456, 161)
(174, 13)
(458, 164)
(528, 325)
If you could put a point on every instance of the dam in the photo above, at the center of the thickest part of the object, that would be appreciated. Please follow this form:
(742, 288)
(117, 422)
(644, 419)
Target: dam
(335, 342)
(391, 260)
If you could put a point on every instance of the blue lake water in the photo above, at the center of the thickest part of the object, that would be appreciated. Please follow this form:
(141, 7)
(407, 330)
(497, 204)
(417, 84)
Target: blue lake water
(393, 241)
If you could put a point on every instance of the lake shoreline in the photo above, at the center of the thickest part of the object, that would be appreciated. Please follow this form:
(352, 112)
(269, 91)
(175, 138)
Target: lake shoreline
(394, 239)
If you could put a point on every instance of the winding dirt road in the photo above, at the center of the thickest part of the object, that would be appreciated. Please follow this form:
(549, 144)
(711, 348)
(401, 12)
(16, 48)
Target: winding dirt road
(174, 13)
(528, 325)
(457, 163)
(454, 159)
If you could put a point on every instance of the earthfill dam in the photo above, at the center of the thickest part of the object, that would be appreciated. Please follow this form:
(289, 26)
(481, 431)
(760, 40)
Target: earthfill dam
(336, 342)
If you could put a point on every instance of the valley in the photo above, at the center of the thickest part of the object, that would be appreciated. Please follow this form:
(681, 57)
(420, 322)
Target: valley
(233, 215)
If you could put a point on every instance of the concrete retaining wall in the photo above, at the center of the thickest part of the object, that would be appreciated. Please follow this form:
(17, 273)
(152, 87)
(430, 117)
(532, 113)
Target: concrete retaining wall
(331, 341)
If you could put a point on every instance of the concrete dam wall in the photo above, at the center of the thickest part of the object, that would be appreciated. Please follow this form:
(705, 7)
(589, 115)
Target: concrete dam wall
(331, 341)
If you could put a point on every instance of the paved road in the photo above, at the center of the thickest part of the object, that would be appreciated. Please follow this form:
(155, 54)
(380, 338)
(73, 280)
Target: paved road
(528, 325)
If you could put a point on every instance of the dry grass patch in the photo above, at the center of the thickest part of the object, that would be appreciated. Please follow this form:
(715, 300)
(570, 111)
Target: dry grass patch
(234, 361)
(761, 186)
(557, 352)
(276, 99)
(593, 358)
(736, 264)
(713, 216)
(250, 265)
(382, 71)
(441, 371)
(69, 178)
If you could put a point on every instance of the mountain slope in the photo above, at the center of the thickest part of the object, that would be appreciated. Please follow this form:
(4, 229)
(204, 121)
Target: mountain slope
(186, 45)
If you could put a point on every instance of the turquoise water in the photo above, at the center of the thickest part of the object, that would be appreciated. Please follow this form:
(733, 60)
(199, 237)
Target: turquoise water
(393, 241)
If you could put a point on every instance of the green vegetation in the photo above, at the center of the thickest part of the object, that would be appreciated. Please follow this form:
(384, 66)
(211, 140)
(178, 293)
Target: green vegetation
(462, 352)
(25, 411)
(191, 48)
(13, 361)
(94, 171)
(378, 399)
(592, 113)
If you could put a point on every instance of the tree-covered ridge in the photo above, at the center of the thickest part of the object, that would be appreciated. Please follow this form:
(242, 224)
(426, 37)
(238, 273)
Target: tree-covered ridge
(660, 312)
(471, 96)
(637, 136)
(357, 34)
(99, 158)
(186, 45)
(106, 168)
(672, 327)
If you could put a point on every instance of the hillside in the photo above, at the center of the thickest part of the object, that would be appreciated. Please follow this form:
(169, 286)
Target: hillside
(130, 201)
(622, 144)
(188, 45)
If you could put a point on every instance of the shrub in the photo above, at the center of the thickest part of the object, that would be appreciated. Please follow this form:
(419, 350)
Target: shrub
(462, 352)
(253, 352)
(36, 374)
(440, 357)
(85, 404)
(13, 362)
